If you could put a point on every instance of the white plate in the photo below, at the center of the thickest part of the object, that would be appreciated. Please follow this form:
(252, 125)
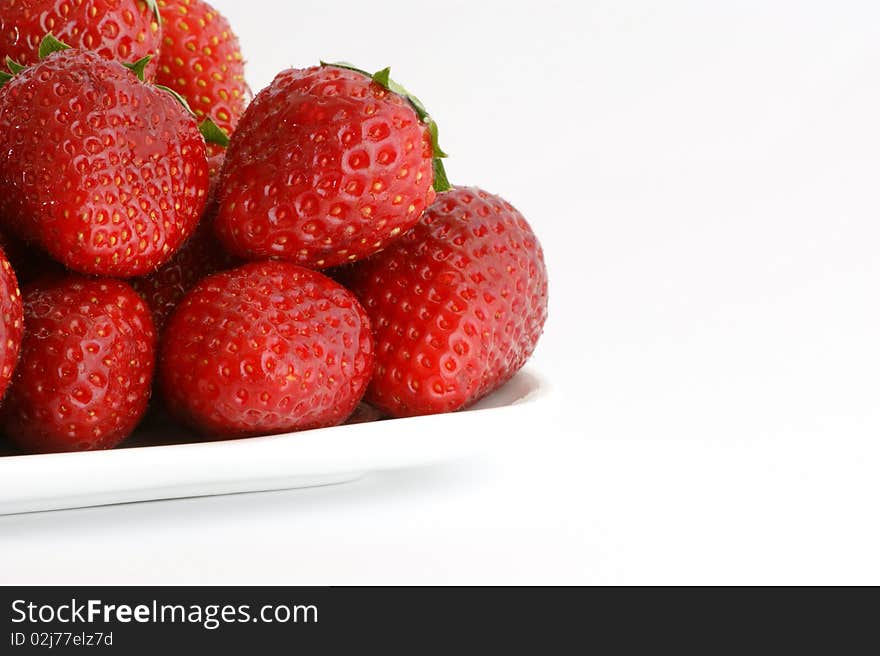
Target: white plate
(312, 458)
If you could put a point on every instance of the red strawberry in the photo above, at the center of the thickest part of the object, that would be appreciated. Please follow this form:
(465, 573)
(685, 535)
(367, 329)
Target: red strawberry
(107, 174)
(11, 322)
(124, 30)
(328, 166)
(201, 60)
(86, 367)
(200, 257)
(267, 348)
(457, 305)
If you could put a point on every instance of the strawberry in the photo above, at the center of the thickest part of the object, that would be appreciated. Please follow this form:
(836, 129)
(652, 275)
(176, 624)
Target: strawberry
(266, 348)
(86, 367)
(328, 166)
(124, 30)
(201, 60)
(457, 305)
(200, 257)
(11, 322)
(105, 173)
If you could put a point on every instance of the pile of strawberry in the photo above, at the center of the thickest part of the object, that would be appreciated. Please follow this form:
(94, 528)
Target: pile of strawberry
(255, 268)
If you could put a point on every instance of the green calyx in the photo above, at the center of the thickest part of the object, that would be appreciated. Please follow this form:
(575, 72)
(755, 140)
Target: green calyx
(177, 97)
(153, 6)
(139, 67)
(212, 132)
(14, 67)
(48, 45)
(383, 79)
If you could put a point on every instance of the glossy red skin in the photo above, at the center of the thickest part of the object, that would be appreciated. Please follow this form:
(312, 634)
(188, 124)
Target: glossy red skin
(124, 30)
(326, 167)
(201, 59)
(84, 379)
(267, 348)
(106, 174)
(457, 305)
(199, 258)
(11, 323)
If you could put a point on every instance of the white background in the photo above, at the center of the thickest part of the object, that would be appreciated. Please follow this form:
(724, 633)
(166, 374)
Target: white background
(704, 177)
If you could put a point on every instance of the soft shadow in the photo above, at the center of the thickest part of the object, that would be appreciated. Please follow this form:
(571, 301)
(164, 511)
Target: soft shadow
(372, 489)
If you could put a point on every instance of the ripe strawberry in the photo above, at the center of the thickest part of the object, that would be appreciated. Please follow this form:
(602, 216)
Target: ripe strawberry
(457, 305)
(86, 366)
(201, 60)
(124, 30)
(267, 348)
(107, 174)
(11, 322)
(328, 166)
(200, 257)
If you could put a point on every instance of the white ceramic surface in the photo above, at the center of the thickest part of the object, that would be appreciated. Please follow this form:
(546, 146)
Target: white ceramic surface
(309, 459)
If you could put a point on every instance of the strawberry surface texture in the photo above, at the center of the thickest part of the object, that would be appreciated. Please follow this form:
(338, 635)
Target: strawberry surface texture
(326, 167)
(295, 263)
(266, 348)
(86, 367)
(105, 173)
(124, 30)
(201, 59)
(11, 322)
(200, 257)
(457, 305)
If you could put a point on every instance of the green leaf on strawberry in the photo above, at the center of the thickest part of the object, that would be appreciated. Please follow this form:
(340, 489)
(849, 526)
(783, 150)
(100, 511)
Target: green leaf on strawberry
(153, 6)
(213, 133)
(383, 79)
(50, 44)
(139, 67)
(14, 67)
(177, 97)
